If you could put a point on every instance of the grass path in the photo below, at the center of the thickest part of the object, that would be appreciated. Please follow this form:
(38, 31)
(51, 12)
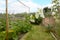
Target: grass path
(38, 33)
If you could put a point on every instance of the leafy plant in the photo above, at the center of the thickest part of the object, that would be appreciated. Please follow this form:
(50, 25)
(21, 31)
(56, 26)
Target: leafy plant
(15, 27)
(58, 28)
(2, 24)
(22, 26)
(39, 20)
(11, 35)
(2, 36)
(36, 20)
(49, 28)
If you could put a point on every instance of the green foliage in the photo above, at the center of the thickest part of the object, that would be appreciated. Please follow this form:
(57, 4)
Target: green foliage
(2, 36)
(11, 35)
(58, 28)
(21, 26)
(49, 28)
(18, 26)
(56, 9)
(47, 12)
(2, 24)
(39, 20)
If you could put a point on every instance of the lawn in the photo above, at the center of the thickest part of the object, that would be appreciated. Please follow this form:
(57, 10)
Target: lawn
(37, 33)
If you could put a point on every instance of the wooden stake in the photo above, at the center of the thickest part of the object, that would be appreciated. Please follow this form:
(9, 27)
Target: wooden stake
(7, 23)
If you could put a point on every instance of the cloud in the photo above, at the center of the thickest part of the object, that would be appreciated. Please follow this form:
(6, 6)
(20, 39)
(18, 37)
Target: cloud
(15, 6)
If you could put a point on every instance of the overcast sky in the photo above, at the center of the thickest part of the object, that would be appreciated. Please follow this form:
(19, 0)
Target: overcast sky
(15, 7)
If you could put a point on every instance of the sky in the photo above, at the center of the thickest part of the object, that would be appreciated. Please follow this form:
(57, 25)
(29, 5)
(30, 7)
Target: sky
(42, 2)
(15, 7)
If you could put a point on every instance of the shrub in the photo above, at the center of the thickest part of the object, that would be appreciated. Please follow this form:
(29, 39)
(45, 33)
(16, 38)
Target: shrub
(36, 20)
(39, 20)
(26, 27)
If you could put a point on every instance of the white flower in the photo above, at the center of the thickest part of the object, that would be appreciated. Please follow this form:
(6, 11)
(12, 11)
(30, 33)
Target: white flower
(53, 13)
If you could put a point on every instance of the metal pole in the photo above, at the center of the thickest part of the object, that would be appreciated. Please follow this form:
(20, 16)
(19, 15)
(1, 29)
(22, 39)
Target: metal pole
(7, 23)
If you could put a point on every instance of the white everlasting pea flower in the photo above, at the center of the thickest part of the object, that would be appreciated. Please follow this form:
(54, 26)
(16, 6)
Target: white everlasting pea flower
(53, 13)
(32, 19)
(37, 15)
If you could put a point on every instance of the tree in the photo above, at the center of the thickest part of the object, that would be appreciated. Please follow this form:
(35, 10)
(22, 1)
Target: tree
(47, 12)
(56, 8)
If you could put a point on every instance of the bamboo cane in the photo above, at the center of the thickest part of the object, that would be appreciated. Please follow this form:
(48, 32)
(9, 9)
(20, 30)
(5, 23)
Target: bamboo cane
(7, 23)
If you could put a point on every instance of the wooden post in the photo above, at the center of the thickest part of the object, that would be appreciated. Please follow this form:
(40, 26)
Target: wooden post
(7, 23)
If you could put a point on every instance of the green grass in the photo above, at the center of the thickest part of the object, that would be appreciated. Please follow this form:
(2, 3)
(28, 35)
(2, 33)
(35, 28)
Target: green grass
(58, 29)
(38, 33)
